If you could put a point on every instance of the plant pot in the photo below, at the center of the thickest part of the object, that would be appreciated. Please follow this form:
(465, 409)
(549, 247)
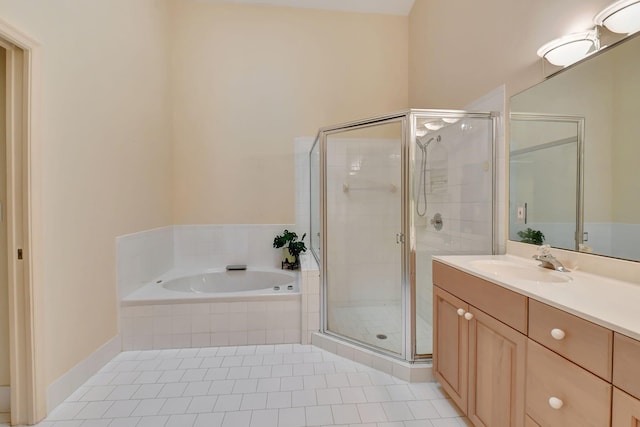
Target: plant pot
(287, 257)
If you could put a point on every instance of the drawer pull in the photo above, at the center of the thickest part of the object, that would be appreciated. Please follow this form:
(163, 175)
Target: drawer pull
(468, 316)
(555, 403)
(460, 312)
(557, 334)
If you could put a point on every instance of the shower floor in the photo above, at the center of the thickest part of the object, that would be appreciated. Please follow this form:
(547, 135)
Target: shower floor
(366, 322)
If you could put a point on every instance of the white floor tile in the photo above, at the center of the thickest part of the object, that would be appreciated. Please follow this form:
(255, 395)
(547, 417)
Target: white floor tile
(175, 405)
(345, 414)
(282, 385)
(291, 417)
(371, 413)
(93, 410)
(202, 404)
(209, 420)
(148, 407)
(264, 418)
(253, 401)
(397, 411)
(153, 421)
(281, 399)
(228, 403)
(121, 408)
(303, 398)
(182, 420)
(328, 396)
(318, 415)
(237, 419)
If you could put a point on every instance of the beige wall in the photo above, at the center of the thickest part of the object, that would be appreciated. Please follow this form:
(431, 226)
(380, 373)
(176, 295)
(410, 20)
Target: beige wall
(626, 91)
(246, 80)
(460, 50)
(105, 160)
(4, 291)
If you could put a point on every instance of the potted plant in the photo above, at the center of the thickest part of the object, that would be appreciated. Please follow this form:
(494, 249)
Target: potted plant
(291, 248)
(531, 236)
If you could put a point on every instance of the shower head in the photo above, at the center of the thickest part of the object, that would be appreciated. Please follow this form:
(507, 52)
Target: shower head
(423, 142)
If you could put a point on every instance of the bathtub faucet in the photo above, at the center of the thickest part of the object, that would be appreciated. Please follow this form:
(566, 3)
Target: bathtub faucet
(236, 267)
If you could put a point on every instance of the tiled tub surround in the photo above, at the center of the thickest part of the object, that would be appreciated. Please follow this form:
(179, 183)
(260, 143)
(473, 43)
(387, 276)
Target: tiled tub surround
(163, 321)
(228, 321)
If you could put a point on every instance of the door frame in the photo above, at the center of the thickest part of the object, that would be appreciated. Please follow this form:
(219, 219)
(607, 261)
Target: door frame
(28, 388)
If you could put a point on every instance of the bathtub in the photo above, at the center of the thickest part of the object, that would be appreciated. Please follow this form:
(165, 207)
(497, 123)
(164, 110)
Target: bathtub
(213, 307)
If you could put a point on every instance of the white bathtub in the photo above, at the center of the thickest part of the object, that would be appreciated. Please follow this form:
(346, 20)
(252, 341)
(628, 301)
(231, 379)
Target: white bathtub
(215, 284)
(213, 307)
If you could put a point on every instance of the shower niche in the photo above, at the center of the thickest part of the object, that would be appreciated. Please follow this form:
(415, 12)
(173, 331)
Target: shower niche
(388, 193)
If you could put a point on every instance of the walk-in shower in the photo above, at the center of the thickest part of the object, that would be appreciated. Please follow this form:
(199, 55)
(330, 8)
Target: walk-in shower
(387, 193)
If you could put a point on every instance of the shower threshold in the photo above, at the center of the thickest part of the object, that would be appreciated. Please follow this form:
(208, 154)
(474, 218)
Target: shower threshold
(411, 372)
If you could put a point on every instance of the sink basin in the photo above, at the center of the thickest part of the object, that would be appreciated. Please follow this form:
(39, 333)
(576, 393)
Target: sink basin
(512, 270)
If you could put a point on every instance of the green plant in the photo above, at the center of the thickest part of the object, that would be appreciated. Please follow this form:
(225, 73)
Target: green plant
(289, 239)
(531, 236)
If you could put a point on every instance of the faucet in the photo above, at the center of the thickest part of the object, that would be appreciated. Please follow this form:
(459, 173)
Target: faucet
(547, 260)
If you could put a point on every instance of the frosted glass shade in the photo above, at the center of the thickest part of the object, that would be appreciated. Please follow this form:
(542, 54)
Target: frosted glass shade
(620, 17)
(568, 49)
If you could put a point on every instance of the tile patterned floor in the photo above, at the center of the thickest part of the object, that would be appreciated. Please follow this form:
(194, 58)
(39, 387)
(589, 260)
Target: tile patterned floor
(286, 385)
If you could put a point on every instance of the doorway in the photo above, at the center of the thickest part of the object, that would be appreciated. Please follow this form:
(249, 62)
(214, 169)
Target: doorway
(20, 63)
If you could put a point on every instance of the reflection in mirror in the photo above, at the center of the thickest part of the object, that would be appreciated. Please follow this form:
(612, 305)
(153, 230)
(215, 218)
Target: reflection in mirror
(545, 180)
(605, 91)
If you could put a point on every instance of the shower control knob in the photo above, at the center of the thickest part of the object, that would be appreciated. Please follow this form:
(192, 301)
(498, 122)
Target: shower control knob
(460, 312)
(468, 316)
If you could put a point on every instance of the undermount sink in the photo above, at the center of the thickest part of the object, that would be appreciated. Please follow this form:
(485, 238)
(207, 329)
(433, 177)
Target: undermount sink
(517, 271)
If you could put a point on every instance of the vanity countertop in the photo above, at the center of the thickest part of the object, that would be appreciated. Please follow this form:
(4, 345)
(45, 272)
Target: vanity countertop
(607, 302)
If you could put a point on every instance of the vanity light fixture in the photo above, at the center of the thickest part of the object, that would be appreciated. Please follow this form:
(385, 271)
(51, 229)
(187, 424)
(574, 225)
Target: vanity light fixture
(622, 16)
(571, 48)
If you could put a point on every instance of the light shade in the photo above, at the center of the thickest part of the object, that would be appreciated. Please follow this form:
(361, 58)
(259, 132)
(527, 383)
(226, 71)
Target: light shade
(620, 17)
(568, 49)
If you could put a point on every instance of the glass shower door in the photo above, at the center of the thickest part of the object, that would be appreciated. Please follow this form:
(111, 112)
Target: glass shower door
(363, 235)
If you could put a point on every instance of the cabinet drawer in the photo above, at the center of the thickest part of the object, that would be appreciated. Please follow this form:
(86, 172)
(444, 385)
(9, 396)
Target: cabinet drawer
(626, 366)
(585, 343)
(507, 306)
(585, 399)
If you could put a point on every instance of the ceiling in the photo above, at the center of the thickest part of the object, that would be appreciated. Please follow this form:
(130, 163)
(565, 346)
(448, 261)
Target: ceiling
(387, 7)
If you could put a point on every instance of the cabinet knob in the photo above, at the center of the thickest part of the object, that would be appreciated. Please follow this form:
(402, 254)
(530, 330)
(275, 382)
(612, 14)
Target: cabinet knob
(460, 312)
(557, 334)
(555, 403)
(468, 316)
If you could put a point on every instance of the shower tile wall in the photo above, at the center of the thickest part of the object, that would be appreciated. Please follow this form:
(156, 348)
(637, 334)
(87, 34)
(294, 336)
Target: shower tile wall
(365, 194)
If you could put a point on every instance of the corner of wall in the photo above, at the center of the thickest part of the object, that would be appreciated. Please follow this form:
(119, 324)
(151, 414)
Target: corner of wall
(65, 385)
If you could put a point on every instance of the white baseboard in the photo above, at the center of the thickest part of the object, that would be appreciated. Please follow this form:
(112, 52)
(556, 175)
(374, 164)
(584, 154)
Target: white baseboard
(64, 386)
(5, 399)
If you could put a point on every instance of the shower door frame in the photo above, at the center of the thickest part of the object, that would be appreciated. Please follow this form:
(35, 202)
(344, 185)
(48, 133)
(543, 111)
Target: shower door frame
(408, 256)
(322, 139)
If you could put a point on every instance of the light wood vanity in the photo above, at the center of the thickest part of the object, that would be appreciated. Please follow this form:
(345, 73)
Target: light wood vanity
(509, 360)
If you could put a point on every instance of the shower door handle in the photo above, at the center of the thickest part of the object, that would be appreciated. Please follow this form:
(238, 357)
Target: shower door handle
(399, 238)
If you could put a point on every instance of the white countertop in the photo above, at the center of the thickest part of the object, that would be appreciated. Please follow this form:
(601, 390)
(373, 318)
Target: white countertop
(607, 302)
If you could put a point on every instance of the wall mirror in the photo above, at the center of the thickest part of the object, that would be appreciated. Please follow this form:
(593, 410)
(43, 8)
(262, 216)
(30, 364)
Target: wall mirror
(575, 156)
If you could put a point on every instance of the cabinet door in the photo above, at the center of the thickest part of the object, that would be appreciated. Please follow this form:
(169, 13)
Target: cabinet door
(450, 345)
(497, 355)
(626, 410)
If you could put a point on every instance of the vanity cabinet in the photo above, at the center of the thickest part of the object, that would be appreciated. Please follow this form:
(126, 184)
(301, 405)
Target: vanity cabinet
(509, 360)
(479, 359)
